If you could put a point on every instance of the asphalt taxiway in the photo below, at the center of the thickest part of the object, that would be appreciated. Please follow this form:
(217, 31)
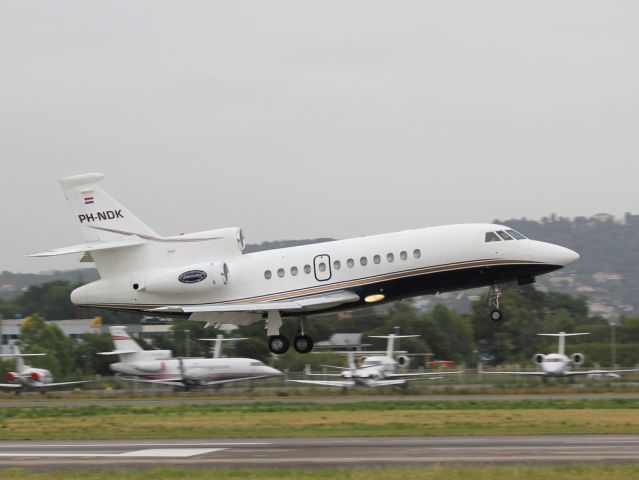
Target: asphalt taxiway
(319, 452)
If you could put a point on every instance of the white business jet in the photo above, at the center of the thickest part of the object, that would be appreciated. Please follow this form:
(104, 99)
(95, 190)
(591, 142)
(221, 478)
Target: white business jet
(160, 367)
(374, 371)
(559, 364)
(205, 276)
(30, 377)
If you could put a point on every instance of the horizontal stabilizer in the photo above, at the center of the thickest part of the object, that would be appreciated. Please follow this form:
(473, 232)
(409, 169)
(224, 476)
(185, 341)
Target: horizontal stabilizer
(90, 247)
(22, 354)
(561, 334)
(118, 352)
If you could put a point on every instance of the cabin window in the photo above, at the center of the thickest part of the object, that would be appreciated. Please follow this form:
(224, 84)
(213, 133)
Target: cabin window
(268, 274)
(293, 271)
(515, 234)
(280, 272)
(321, 267)
(377, 259)
(403, 255)
(350, 262)
(504, 235)
(337, 264)
(307, 268)
(492, 237)
(363, 261)
(390, 258)
(417, 253)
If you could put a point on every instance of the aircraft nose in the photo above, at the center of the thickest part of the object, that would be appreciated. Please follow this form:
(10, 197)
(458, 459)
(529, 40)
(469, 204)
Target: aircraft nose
(274, 372)
(566, 256)
(554, 254)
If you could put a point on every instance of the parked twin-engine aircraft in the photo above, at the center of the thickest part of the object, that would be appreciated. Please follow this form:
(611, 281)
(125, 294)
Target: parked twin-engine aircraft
(374, 371)
(206, 276)
(159, 366)
(559, 364)
(30, 377)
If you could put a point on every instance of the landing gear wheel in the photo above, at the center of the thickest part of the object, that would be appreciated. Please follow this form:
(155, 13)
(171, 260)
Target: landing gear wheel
(278, 344)
(303, 344)
(496, 315)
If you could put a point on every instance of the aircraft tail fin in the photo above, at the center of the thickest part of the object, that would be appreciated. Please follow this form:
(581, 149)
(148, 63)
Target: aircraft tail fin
(124, 345)
(101, 217)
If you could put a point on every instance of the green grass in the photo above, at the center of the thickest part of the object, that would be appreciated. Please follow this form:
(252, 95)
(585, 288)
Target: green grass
(574, 472)
(303, 419)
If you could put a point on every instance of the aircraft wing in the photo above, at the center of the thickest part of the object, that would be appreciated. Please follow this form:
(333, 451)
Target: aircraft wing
(218, 382)
(385, 383)
(177, 381)
(311, 302)
(60, 383)
(10, 385)
(533, 374)
(600, 372)
(327, 383)
(417, 376)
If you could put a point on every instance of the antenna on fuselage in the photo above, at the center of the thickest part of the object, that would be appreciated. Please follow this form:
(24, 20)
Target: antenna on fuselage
(562, 339)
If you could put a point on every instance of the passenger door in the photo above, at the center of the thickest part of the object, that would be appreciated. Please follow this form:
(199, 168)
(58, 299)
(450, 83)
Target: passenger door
(322, 267)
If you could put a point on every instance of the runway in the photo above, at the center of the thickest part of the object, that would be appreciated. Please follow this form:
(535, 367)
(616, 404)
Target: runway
(319, 452)
(185, 400)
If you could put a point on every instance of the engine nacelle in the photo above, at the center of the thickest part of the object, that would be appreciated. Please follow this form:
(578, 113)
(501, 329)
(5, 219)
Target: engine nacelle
(403, 361)
(539, 358)
(195, 278)
(577, 358)
(150, 366)
(35, 376)
(12, 376)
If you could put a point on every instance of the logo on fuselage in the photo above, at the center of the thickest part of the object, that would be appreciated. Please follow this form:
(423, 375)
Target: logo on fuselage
(192, 276)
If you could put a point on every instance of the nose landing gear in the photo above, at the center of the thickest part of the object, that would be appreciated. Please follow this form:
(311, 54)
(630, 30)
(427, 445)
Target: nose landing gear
(493, 303)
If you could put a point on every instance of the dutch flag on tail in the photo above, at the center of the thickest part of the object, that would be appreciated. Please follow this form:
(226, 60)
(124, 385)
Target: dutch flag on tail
(88, 200)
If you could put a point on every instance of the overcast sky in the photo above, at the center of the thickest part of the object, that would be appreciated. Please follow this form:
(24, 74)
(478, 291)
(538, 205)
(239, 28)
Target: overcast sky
(300, 119)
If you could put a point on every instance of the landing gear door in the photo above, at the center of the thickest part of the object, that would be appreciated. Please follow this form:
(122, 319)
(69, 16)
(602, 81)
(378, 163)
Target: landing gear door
(322, 267)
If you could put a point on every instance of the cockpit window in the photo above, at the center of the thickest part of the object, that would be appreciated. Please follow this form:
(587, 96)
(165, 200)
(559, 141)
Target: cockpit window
(504, 235)
(492, 237)
(516, 235)
(256, 363)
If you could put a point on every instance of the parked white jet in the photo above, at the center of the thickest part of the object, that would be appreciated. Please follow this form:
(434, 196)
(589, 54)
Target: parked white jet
(31, 377)
(158, 366)
(206, 276)
(374, 371)
(559, 364)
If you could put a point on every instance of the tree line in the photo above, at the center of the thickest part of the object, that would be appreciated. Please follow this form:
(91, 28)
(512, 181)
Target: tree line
(466, 338)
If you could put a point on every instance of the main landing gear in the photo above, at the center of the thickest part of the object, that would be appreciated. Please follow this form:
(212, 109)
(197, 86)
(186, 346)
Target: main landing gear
(493, 303)
(279, 344)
